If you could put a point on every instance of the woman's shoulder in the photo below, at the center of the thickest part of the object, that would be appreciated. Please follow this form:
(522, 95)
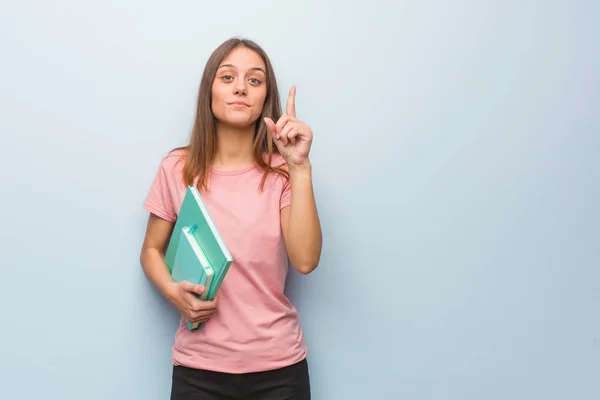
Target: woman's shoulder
(174, 159)
(277, 160)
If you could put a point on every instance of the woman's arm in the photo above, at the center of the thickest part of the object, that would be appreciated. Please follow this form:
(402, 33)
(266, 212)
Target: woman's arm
(300, 221)
(158, 232)
(183, 295)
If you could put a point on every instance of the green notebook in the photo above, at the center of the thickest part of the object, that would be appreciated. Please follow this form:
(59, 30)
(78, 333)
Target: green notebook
(194, 212)
(191, 264)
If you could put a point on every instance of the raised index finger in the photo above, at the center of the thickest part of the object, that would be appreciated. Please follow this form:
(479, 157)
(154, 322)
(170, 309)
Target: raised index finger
(290, 107)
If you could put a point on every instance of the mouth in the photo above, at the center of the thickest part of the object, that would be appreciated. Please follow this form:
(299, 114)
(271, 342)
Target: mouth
(238, 104)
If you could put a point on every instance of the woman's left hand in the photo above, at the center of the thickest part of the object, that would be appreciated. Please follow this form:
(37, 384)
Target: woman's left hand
(292, 137)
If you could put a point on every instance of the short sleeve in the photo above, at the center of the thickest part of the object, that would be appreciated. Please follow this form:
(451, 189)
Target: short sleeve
(159, 200)
(286, 194)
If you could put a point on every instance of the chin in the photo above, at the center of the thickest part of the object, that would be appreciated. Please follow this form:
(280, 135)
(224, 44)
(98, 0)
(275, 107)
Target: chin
(238, 121)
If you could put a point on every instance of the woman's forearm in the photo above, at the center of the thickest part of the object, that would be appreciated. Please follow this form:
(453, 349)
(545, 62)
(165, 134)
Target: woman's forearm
(156, 271)
(304, 237)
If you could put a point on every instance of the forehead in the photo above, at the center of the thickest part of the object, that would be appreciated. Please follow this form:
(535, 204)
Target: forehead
(243, 58)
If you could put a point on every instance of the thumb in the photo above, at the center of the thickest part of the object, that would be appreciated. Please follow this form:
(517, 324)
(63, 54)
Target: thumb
(192, 288)
(270, 126)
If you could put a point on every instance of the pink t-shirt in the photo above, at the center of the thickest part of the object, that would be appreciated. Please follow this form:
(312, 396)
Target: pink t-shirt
(255, 327)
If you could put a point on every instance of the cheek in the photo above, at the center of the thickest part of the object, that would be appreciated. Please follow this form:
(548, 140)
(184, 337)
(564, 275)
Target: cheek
(260, 99)
(217, 99)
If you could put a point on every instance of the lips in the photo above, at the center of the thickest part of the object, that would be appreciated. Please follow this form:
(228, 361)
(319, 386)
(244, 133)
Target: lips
(238, 103)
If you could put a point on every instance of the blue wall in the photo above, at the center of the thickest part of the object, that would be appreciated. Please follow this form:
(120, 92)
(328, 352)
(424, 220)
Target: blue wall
(457, 169)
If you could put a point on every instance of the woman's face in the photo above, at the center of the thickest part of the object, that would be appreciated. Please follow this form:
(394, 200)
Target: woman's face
(239, 89)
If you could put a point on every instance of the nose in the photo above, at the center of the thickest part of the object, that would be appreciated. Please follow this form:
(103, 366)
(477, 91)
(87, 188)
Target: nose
(239, 87)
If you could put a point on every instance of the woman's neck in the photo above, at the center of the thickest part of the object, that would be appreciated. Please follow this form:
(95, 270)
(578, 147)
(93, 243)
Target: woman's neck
(234, 147)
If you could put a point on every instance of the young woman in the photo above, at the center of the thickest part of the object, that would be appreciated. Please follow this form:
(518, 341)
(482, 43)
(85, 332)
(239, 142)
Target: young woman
(251, 165)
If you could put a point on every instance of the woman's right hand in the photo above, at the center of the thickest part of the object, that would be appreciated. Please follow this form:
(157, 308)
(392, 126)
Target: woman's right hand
(184, 296)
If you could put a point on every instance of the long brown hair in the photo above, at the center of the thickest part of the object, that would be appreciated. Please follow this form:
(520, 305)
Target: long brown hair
(202, 147)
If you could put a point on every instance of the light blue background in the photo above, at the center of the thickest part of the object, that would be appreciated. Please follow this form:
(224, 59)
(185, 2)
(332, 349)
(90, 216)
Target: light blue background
(456, 165)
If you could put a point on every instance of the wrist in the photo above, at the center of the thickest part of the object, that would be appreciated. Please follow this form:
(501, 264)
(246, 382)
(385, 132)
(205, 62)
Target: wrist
(304, 168)
(169, 290)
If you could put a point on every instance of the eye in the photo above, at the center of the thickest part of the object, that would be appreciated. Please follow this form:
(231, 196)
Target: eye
(227, 77)
(255, 81)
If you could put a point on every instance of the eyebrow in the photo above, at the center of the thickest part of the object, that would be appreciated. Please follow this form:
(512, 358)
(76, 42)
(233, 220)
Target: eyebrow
(251, 69)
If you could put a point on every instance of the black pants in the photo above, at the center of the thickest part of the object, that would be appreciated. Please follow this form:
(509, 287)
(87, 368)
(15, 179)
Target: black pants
(288, 383)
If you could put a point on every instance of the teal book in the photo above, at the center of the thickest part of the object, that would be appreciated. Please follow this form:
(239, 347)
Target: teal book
(193, 211)
(190, 264)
